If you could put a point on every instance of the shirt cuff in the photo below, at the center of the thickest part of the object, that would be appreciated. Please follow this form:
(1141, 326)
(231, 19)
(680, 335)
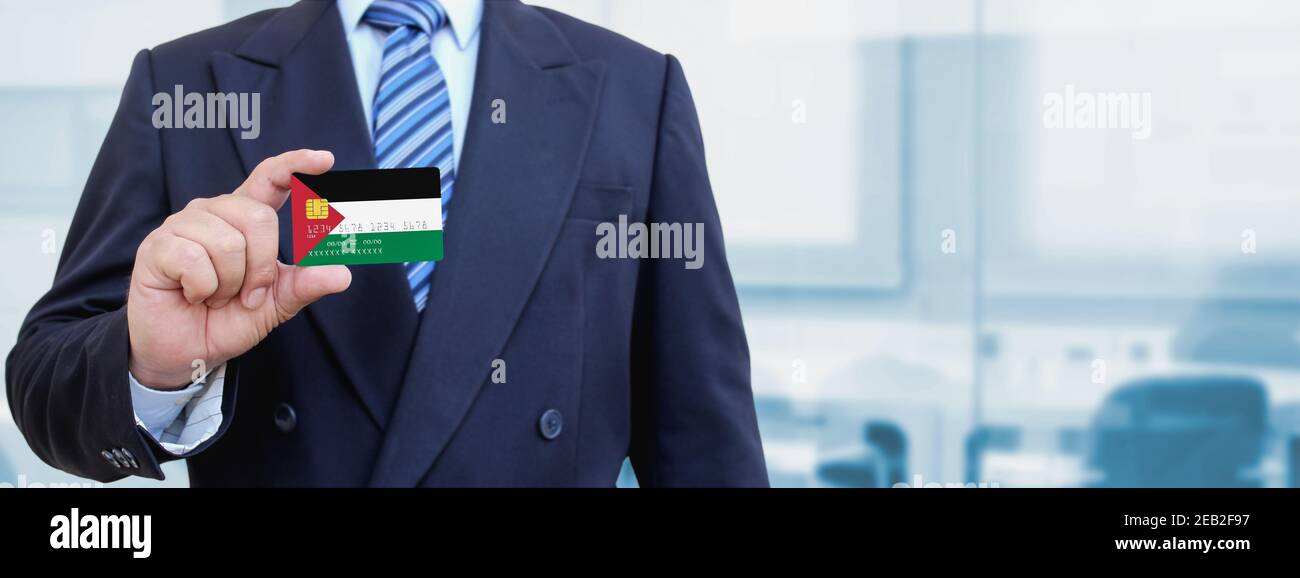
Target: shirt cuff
(183, 419)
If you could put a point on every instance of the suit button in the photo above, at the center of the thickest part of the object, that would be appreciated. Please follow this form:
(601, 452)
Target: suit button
(120, 459)
(130, 458)
(285, 418)
(551, 424)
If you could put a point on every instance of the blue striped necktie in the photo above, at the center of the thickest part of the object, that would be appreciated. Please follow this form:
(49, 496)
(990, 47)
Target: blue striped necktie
(412, 109)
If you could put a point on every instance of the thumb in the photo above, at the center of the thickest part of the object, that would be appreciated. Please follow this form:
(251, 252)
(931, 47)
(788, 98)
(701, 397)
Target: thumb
(298, 287)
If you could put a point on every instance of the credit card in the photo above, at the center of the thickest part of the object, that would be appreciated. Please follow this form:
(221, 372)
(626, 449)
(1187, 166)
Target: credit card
(366, 217)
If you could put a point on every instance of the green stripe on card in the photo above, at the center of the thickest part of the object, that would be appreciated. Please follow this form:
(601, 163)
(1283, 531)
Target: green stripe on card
(371, 248)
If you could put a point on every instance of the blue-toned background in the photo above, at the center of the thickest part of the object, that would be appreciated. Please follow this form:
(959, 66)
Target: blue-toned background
(937, 289)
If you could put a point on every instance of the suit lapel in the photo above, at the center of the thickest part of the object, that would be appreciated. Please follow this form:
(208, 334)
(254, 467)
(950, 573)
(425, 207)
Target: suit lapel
(300, 65)
(514, 185)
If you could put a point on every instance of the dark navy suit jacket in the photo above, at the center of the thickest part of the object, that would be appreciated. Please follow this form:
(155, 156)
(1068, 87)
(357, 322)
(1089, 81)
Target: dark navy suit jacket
(640, 358)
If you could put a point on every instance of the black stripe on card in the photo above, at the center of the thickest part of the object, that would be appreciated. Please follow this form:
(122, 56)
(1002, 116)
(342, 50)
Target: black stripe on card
(375, 185)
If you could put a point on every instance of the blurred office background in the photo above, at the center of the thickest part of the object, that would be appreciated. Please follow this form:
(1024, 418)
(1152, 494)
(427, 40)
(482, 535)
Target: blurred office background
(937, 288)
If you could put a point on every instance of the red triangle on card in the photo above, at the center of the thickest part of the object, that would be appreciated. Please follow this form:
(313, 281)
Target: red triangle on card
(309, 232)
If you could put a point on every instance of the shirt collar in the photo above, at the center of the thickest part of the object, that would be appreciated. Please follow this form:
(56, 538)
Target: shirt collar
(465, 16)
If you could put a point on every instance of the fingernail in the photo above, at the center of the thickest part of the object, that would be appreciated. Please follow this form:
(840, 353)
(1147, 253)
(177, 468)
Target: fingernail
(255, 298)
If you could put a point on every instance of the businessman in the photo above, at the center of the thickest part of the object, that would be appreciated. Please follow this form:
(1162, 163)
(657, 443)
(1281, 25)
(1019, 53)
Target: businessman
(175, 329)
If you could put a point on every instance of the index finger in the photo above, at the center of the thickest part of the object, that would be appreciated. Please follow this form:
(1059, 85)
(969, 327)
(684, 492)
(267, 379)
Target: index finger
(269, 182)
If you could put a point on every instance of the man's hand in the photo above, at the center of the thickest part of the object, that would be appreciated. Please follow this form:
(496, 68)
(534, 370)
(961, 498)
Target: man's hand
(207, 284)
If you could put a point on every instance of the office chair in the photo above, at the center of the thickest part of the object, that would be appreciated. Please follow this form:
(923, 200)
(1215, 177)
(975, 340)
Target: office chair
(883, 464)
(1186, 431)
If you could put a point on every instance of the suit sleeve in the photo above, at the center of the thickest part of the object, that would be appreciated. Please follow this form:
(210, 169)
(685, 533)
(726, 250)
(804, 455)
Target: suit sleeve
(693, 409)
(67, 378)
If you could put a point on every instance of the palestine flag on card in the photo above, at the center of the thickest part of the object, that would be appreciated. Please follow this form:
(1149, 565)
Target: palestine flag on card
(367, 217)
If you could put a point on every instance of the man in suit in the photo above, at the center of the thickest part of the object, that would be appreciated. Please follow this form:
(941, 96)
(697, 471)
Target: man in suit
(175, 330)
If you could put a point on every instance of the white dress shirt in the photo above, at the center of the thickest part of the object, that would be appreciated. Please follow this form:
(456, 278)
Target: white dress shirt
(181, 420)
